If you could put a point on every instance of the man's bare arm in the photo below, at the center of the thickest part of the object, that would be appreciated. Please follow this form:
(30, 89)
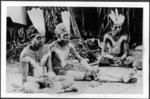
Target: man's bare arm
(124, 40)
(107, 38)
(28, 59)
(46, 61)
(74, 52)
(24, 71)
(81, 60)
(126, 49)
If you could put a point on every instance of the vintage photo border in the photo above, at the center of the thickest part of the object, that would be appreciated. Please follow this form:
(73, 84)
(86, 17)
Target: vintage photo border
(144, 5)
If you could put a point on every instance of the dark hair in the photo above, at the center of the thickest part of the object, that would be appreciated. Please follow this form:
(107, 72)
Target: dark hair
(9, 21)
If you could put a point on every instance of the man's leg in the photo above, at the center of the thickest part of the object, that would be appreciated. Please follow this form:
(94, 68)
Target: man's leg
(37, 85)
(129, 61)
(76, 75)
(109, 78)
(34, 87)
(117, 74)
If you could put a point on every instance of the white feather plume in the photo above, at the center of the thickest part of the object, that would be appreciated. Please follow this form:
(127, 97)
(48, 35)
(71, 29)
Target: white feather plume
(116, 17)
(66, 19)
(37, 18)
(60, 28)
(116, 11)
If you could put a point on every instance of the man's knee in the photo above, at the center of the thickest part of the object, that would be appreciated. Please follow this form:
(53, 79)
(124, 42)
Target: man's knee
(76, 75)
(31, 87)
(138, 63)
(100, 59)
(129, 60)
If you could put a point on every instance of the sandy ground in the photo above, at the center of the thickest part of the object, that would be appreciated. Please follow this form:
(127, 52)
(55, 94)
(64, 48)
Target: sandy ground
(14, 83)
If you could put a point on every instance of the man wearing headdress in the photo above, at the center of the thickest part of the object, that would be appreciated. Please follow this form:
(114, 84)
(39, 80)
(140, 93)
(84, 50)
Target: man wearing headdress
(30, 58)
(64, 58)
(116, 43)
(115, 52)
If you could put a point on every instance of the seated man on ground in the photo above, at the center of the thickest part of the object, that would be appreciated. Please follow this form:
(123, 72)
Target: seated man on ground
(65, 59)
(116, 43)
(33, 61)
(115, 51)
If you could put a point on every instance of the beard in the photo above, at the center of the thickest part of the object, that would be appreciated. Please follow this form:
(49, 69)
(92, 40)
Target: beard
(63, 43)
(36, 45)
(40, 44)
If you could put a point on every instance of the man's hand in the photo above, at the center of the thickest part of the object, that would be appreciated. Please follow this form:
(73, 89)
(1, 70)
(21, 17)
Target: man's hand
(83, 61)
(51, 75)
(123, 57)
(109, 56)
(117, 60)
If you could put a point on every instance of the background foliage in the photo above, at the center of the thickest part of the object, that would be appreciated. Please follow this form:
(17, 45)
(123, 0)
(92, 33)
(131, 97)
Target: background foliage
(92, 23)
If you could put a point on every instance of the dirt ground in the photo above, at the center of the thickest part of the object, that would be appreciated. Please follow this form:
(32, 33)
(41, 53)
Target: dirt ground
(14, 83)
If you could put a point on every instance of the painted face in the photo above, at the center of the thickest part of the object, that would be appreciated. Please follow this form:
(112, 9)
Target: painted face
(65, 36)
(63, 40)
(38, 40)
(116, 28)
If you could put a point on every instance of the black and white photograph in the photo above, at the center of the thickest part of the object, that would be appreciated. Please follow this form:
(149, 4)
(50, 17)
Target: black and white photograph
(75, 49)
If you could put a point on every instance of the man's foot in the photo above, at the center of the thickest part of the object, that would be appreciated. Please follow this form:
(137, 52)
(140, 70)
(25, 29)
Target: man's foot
(132, 80)
(88, 76)
(129, 79)
(71, 89)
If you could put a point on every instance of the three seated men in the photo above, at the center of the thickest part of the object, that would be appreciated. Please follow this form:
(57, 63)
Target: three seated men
(59, 64)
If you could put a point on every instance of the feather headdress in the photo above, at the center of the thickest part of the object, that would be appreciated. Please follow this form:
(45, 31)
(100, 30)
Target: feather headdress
(37, 18)
(66, 19)
(116, 17)
(60, 28)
